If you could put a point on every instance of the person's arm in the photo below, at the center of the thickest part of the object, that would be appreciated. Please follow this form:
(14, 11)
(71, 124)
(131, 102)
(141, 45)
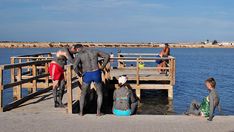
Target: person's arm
(69, 56)
(132, 97)
(76, 65)
(106, 58)
(212, 106)
(114, 95)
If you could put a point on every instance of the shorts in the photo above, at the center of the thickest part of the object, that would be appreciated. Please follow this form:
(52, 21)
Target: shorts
(122, 112)
(158, 61)
(94, 76)
(56, 72)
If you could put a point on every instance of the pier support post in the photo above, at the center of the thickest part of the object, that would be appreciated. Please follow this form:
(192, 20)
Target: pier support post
(13, 79)
(138, 90)
(34, 73)
(69, 89)
(28, 69)
(46, 72)
(170, 93)
(19, 87)
(1, 90)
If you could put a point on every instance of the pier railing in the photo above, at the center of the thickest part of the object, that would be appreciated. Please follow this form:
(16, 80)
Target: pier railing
(18, 82)
(111, 73)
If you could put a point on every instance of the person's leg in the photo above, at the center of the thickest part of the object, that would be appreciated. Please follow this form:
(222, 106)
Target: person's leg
(159, 67)
(84, 89)
(61, 92)
(194, 108)
(100, 97)
(55, 86)
(134, 108)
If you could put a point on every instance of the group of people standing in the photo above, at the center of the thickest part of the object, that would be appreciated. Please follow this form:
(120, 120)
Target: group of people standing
(86, 63)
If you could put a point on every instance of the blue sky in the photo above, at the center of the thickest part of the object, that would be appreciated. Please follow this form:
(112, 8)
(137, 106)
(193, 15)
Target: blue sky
(117, 20)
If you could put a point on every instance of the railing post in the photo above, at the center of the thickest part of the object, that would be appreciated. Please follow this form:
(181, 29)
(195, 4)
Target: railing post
(171, 71)
(138, 90)
(13, 79)
(118, 65)
(1, 90)
(28, 69)
(34, 73)
(19, 87)
(69, 89)
(174, 71)
(46, 72)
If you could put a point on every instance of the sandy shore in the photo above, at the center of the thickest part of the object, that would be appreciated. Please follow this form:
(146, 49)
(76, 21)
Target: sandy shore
(38, 115)
(61, 122)
(106, 45)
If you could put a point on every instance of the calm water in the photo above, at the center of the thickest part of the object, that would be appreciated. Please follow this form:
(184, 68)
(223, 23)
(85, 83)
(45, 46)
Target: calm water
(193, 66)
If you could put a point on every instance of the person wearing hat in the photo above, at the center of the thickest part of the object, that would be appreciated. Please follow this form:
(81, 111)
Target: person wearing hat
(125, 103)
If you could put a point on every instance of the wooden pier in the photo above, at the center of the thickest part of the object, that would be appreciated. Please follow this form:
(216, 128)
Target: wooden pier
(31, 72)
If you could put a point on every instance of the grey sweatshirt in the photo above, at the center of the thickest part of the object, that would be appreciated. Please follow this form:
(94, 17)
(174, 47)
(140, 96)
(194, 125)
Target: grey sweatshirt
(214, 102)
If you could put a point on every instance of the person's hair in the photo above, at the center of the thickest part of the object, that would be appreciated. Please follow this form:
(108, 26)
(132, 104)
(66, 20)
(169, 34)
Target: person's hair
(76, 46)
(62, 57)
(211, 81)
(166, 44)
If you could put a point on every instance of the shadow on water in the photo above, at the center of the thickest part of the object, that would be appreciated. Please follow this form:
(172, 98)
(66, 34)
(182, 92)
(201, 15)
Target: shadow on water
(155, 102)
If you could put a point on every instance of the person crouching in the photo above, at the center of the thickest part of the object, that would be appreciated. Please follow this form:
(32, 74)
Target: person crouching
(125, 103)
(56, 70)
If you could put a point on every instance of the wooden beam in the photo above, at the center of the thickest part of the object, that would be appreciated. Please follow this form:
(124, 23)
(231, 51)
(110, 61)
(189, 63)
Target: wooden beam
(1, 90)
(34, 73)
(13, 78)
(170, 93)
(48, 53)
(47, 72)
(138, 90)
(19, 87)
(150, 86)
(24, 81)
(17, 65)
(41, 85)
(69, 89)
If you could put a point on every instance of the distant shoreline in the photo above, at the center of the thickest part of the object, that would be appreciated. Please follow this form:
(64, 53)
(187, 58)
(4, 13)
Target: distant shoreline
(107, 45)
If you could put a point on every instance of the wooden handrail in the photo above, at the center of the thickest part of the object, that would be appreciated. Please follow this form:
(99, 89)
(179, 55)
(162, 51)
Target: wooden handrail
(17, 81)
(17, 65)
(144, 58)
(138, 54)
(48, 53)
(30, 57)
(9, 85)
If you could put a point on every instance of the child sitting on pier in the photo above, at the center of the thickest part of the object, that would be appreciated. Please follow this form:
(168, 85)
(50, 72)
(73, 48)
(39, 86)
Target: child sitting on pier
(207, 107)
(125, 103)
(56, 70)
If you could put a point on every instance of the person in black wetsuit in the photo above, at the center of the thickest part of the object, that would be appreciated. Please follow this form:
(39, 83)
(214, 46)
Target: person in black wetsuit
(86, 62)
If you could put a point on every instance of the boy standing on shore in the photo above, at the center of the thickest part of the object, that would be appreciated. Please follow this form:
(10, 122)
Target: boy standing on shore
(207, 107)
